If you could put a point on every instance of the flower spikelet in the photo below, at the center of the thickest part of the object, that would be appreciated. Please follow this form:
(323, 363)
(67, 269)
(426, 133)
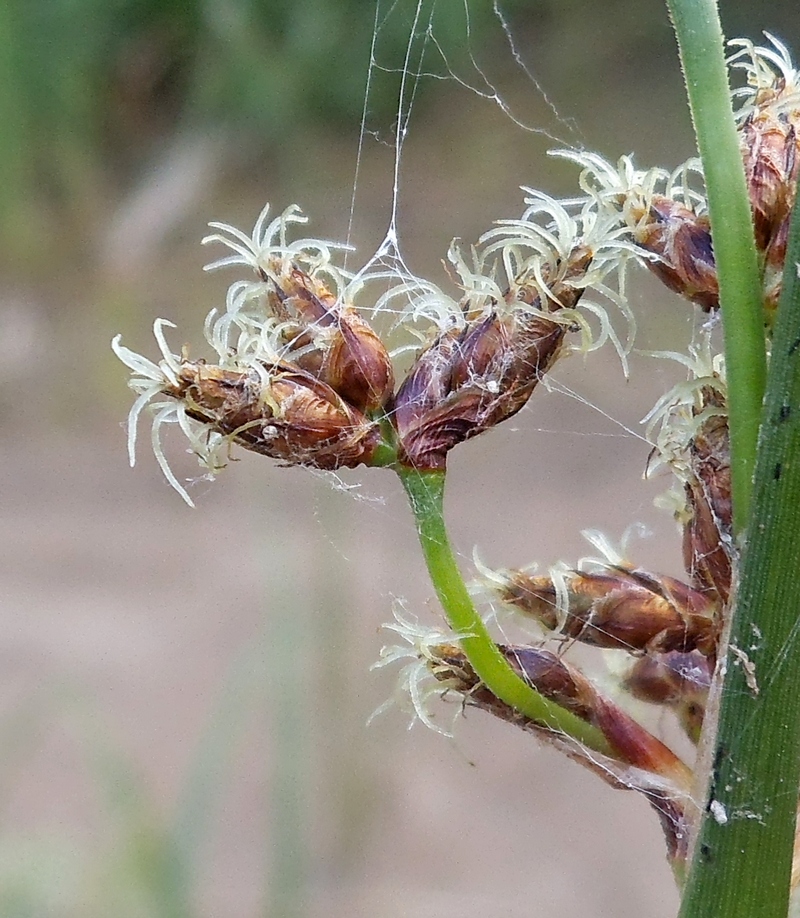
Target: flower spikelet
(690, 427)
(667, 218)
(309, 303)
(494, 347)
(708, 543)
(279, 411)
(677, 680)
(297, 374)
(556, 680)
(664, 217)
(150, 380)
(620, 607)
(274, 409)
(769, 120)
(468, 381)
(420, 676)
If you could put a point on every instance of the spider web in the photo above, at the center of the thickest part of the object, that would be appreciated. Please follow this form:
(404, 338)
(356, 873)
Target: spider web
(429, 57)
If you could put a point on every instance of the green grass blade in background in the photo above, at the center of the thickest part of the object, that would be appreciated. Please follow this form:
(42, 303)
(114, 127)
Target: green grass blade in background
(744, 855)
(700, 42)
(140, 871)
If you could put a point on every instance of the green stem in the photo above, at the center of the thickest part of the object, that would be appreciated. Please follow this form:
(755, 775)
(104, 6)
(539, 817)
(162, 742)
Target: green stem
(700, 41)
(743, 855)
(426, 493)
(742, 866)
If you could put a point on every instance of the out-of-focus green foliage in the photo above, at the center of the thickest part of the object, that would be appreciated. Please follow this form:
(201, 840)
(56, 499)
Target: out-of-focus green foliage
(91, 89)
(88, 88)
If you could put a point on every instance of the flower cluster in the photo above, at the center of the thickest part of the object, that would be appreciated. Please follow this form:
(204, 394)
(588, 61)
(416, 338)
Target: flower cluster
(299, 375)
(769, 122)
(667, 628)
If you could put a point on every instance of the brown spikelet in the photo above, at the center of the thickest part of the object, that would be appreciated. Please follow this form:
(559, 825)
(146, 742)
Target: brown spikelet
(682, 241)
(284, 413)
(622, 608)
(708, 544)
(330, 340)
(679, 681)
(771, 153)
(559, 682)
(469, 380)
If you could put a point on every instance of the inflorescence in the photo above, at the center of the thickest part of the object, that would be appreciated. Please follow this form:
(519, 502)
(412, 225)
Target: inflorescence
(299, 374)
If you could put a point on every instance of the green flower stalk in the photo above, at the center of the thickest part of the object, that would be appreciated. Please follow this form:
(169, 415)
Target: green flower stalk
(426, 493)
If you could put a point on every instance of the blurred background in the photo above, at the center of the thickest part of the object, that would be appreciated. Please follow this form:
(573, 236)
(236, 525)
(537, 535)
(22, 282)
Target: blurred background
(184, 693)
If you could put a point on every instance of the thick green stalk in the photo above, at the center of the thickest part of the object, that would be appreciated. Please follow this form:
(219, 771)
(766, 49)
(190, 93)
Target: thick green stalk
(700, 42)
(743, 857)
(426, 493)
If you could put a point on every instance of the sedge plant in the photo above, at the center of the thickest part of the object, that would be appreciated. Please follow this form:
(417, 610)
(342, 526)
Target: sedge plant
(299, 374)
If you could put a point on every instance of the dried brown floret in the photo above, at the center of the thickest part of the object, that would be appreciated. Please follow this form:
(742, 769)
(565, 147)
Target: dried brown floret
(469, 381)
(623, 608)
(770, 151)
(708, 544)
(278, 411)
(556, 680)
(682, 241)
(472, 379)
(677, 680)
(769, 122)
(329, 339)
